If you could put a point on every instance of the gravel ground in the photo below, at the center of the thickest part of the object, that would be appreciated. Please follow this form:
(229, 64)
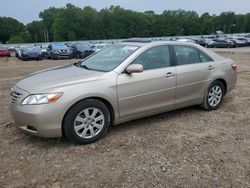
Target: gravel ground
(184, 148)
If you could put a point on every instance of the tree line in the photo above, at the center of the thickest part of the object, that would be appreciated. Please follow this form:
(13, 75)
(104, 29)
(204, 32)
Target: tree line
(72, 23)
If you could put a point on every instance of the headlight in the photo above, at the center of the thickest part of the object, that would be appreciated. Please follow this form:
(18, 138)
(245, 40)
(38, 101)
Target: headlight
(41, 98)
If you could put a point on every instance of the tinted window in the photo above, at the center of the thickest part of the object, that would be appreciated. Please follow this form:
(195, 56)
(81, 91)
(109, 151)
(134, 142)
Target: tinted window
(186, 55)
(153, 58)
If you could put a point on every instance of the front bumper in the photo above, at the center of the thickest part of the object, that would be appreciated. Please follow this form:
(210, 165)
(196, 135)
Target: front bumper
(62, 55)
(40, 120)
(28, 56)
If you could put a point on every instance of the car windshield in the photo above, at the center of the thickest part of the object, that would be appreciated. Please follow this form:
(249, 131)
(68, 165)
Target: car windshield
(109, 58)
(59, 46)
(82, 47)
(100, 47)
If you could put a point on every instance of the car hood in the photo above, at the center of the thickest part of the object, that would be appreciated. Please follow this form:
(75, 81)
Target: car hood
(84, 50)
(56, 77)
(32, 51)
(61, 48)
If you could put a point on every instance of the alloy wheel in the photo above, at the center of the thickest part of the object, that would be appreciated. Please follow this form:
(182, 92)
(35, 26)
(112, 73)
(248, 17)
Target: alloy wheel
(89, 123)
(215, 95)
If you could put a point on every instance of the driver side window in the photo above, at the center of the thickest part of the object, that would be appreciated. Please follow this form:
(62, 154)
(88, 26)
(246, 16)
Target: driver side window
(154, 58)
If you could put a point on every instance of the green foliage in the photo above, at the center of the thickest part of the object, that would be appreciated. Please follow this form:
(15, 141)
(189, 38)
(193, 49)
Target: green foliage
(36, 31)
(26, 37)
(16, 40)
(9, 27)
(75, 23)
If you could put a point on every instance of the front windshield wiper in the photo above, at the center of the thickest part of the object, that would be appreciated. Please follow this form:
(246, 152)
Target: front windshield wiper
(84, 66)
(78, 64)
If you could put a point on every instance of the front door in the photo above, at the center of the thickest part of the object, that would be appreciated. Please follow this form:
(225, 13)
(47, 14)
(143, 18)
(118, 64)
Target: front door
(151, 90)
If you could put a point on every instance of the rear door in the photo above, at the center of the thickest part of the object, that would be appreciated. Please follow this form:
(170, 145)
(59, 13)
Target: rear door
(194, 71)
(151, 90)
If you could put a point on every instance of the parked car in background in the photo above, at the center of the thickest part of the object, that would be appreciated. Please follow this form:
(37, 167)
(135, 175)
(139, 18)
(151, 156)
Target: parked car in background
(44, 48)
(120, 83)
(31, 53)
(17, 52)
(81, 51)
(237, 42)
(11, 48)
(4, 52)
(248, 40)
(223, 43)
(207, 43)
(58, 51)
(245, 40)
(99, 47)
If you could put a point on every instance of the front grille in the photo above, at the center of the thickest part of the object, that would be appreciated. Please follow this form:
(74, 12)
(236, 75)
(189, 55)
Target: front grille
(14, 96)
(63, 51)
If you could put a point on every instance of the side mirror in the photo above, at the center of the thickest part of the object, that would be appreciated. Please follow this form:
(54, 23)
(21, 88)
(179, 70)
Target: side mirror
(134, 68)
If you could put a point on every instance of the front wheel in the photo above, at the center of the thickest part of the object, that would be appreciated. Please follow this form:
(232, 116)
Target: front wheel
(87, 121)
(214, 96)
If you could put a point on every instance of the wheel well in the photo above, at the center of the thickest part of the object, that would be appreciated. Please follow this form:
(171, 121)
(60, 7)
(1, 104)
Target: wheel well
(110, 107)
(107, 103)
(224, 83)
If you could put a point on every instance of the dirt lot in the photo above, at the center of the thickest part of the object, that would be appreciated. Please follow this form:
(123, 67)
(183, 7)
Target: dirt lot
(184, 148)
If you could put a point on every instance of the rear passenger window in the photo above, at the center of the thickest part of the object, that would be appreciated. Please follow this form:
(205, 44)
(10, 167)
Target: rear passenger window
(190, 55)
(186, 55)
(155, 57)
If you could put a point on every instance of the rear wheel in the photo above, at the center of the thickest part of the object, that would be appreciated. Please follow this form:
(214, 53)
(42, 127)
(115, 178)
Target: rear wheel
(87, 121)
(214, 96)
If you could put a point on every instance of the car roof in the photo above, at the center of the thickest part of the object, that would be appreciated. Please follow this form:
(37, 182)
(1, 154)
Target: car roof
(58, 44)
(152, 43)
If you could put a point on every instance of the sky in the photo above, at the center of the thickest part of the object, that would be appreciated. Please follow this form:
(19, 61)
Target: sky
(26, 11)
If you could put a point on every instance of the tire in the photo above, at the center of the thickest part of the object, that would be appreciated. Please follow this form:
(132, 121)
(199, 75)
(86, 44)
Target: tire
(78, 125)
(212, 100)
(53, 57)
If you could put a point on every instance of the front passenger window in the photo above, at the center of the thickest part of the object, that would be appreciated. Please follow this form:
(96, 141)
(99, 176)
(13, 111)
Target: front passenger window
(155, 57)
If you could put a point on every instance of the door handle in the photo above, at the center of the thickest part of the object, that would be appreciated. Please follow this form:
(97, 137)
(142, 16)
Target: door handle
(210, 67)
(169, 74)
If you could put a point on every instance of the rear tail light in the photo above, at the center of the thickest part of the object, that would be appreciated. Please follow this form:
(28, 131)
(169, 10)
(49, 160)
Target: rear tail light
(234, 67)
